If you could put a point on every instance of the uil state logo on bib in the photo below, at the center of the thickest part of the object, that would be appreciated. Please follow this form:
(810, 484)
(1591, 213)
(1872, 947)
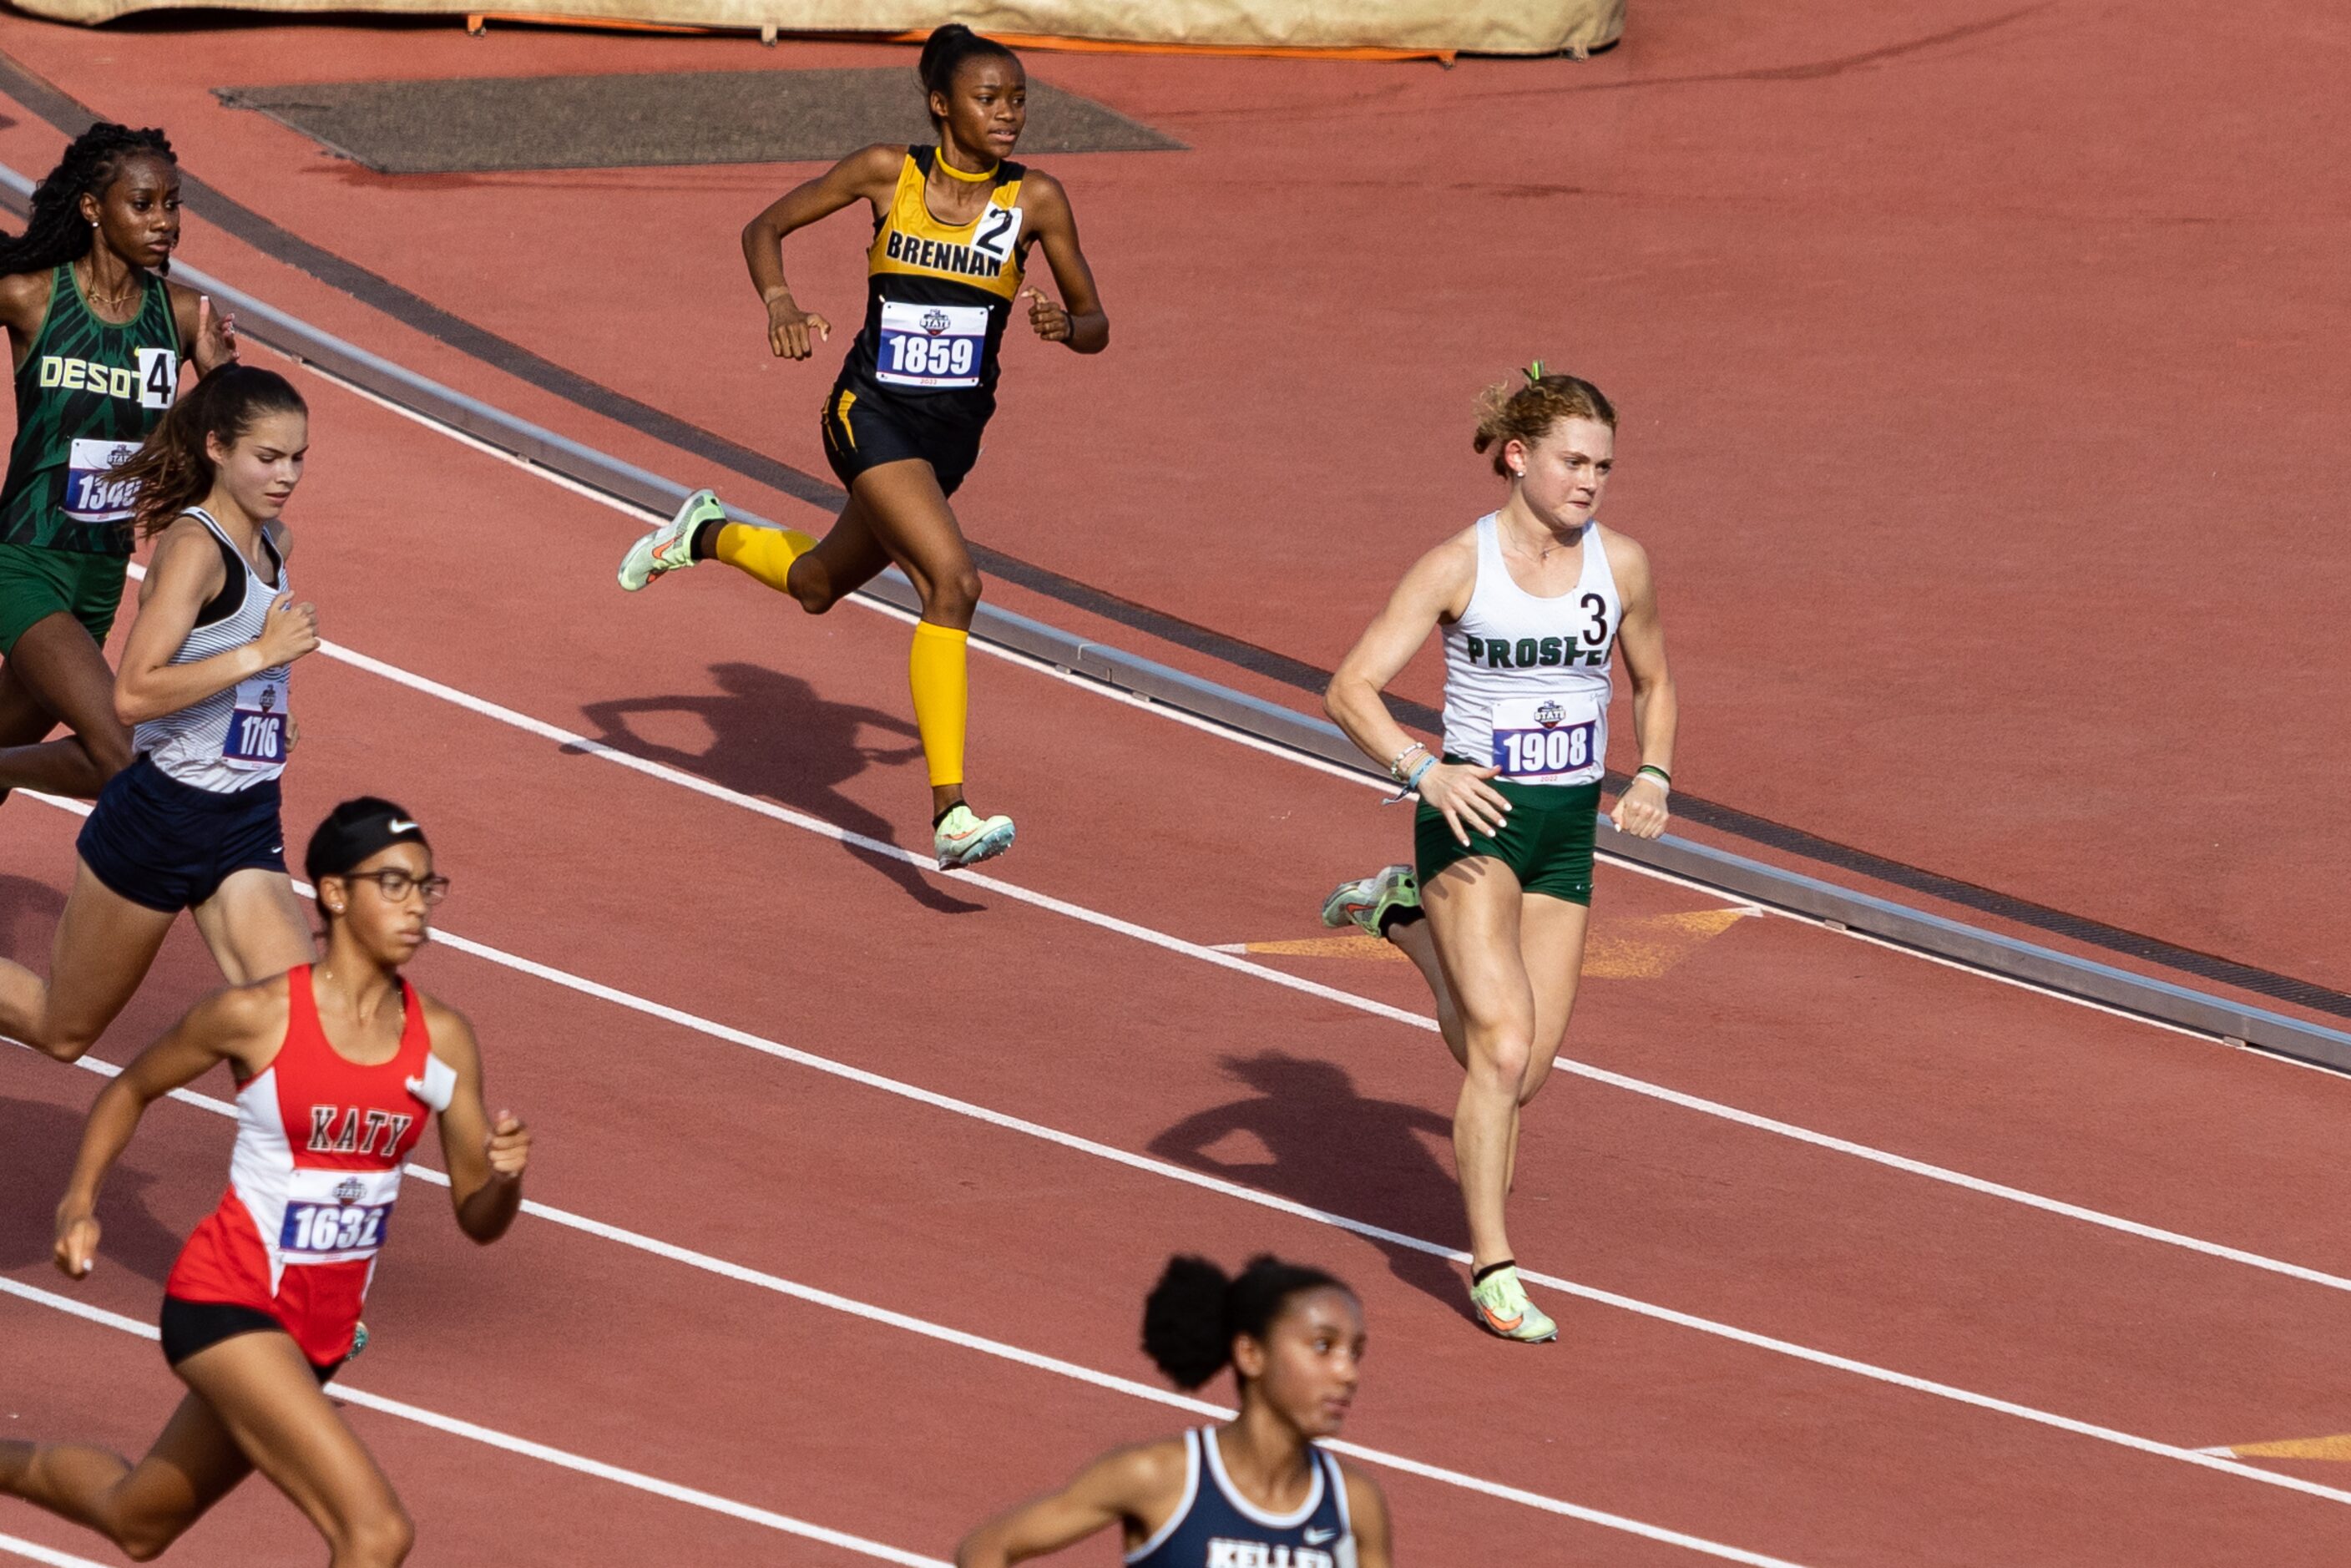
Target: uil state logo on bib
(937, 346)
(1551, 738)
(336, 1216)
(257, 724)
(93, 495)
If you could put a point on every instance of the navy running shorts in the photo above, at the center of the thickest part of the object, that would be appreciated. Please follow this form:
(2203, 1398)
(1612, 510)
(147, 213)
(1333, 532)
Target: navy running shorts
(169, 846)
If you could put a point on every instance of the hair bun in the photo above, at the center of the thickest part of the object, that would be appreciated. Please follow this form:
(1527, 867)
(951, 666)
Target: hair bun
(1183, 1321)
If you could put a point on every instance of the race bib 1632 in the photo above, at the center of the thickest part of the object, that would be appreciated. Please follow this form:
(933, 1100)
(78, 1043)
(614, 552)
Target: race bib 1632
(337, 1216)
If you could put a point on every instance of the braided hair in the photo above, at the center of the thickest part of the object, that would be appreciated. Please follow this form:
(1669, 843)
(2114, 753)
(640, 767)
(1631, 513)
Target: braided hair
(58, 232)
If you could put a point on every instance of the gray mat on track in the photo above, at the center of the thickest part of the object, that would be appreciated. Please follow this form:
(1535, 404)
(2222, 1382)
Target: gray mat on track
(481, 124)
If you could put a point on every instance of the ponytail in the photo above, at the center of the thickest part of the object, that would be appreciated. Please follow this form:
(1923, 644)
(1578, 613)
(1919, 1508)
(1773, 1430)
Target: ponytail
(944, 53)
(1525, 408)
(1194, 1315)
(174, 468)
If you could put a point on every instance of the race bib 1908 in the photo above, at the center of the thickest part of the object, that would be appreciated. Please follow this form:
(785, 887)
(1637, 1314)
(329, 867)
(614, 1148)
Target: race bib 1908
(931, 345)
(257, 724)
(1552, 737)
(92, 493)
(337, 1216)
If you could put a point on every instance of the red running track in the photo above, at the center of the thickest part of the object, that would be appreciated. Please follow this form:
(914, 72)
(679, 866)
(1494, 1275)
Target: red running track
(1048, 1088)
(1978, 364)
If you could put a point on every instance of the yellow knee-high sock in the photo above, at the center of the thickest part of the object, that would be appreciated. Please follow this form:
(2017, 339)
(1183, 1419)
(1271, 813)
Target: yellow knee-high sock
(766, 553)
(937, 671)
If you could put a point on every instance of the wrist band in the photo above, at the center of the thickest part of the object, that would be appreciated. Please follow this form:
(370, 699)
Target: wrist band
(1651, 771)
(1413, 782)
(1395, 763)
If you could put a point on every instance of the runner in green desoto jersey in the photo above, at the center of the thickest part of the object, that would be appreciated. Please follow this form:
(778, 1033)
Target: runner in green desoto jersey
(97, 336)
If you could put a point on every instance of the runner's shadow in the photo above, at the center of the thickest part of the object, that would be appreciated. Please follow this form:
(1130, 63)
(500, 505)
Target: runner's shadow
(29, 911)
(36, 1157)
(771, 735)
(1335, 1150)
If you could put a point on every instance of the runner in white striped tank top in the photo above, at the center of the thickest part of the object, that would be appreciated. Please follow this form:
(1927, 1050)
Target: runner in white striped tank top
(193, 823)
(1534, 602)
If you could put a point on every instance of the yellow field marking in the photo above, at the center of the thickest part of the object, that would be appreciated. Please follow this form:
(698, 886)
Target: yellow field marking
(1357, 946)
(2336, 1448)
(1641, 949)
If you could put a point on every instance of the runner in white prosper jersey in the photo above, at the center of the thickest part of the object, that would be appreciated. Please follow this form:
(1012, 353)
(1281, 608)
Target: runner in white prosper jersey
(1534, 602)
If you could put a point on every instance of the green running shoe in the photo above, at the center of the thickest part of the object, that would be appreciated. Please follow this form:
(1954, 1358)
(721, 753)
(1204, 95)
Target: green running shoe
(1503, 1309)
(359, 1344)
(964, 838)
(1367, 901)
(669, 548)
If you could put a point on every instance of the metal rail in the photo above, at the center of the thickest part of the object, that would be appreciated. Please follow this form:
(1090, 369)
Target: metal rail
(1750, 880)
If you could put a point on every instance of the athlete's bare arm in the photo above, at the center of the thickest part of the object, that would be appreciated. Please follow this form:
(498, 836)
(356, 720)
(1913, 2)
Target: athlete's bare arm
(1078, 320)
(244, 1026)
(1656, 711)
(1367, 1513)
(485, 1157)
(1139, 1487)
(187, 570)
(869, 175)
(24, 307)
(209, 338)
(1435, 590)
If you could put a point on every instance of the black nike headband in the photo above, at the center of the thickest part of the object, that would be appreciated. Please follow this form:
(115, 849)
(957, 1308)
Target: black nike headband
(355, 831)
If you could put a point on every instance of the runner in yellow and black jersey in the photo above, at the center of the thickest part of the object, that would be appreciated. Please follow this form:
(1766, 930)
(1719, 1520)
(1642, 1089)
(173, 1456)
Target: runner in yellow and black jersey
(952, 226)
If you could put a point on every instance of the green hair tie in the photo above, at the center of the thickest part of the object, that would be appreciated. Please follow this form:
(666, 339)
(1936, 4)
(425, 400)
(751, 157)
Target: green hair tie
(1534, 372)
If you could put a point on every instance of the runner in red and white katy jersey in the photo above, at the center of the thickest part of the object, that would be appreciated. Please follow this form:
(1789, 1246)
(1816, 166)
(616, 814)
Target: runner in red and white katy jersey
(337, 1063)
(319, 1142)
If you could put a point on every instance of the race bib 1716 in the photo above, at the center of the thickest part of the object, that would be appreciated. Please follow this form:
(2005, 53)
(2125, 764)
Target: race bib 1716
(1550, 738)
(257, 723)
(931, 345)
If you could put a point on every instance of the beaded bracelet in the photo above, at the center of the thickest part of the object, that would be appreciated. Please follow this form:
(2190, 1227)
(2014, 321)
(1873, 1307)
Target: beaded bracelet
(1395, 763)
(1412, 783)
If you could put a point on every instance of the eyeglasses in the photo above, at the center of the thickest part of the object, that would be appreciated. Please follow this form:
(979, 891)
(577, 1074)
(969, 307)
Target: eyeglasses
(396, 884)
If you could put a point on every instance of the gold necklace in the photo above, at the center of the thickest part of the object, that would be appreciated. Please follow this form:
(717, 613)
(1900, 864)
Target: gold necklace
(89, 289)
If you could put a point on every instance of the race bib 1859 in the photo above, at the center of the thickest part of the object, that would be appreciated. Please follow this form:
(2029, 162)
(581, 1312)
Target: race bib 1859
(92, 493)
(1549, 737)
(931, 345)
(257, 724)
(337, 1216)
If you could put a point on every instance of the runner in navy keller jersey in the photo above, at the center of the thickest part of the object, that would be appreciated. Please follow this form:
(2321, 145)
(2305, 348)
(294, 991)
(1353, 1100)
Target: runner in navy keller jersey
(98, 338)
(1254, 1493)
(951, 227)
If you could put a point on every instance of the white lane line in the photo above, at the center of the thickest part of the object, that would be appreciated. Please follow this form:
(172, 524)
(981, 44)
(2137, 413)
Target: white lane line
(1323, 1216)
(1034, 1360)
(50, 1554)
(492, 1437)
(1222, 960)
(1254, 743)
